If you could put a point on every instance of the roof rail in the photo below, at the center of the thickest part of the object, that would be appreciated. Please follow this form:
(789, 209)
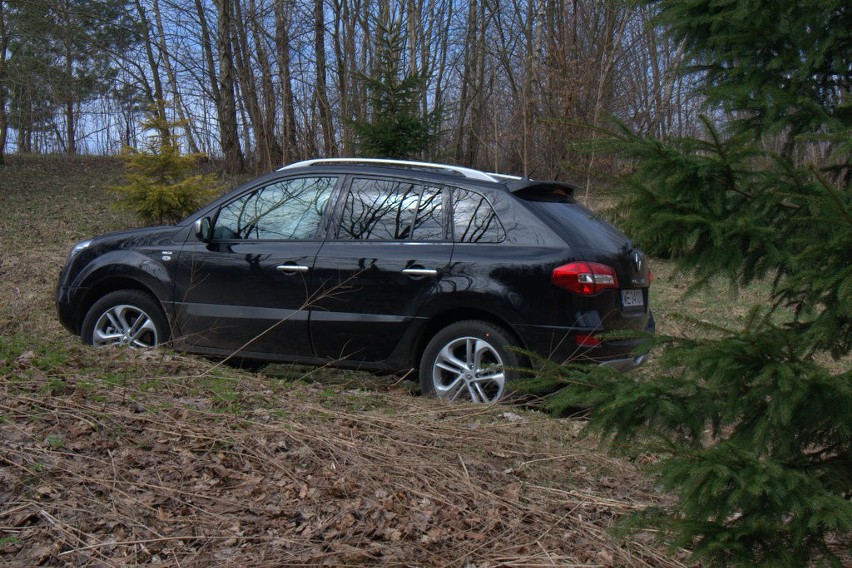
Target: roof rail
(469, 173)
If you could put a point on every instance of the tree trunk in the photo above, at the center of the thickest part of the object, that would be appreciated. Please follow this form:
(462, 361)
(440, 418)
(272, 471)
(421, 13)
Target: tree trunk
(4, 119)
(343, 56)
(209, 71)
(226, 107)
(289, 149)
(70, 130)
(467, 86)
(476, 130)
(360, 97)
(170, 75)
(158, 103)
(4, 125)
(267, 91)
(441, 62)
(326, 126)
(248, 87)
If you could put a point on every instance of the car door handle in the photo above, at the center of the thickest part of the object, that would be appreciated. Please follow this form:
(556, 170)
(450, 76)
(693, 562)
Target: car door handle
(419, 272)
(291, 268)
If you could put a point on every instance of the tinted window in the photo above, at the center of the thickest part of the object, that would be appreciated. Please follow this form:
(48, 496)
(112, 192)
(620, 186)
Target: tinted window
(285, 210)
(474, 220)
(388, 210)
(581, 227)
(429, 223)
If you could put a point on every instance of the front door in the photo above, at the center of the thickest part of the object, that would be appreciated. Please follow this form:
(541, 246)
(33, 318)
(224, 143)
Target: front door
(246, 290)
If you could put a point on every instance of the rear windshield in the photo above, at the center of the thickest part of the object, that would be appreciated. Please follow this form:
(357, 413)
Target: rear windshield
(581, 227)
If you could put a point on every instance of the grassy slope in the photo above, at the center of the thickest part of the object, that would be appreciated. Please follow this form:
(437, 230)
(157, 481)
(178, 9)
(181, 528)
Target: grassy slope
(122, 457)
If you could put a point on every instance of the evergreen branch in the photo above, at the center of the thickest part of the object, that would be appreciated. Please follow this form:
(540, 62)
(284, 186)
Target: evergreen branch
(720, 150)
(835, 197)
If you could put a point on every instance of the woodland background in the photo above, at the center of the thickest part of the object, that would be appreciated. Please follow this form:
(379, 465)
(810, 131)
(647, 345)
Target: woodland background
(507, 85)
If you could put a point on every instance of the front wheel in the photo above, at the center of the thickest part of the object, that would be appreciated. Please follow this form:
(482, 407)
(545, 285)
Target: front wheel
(129, 318)
(468, 360)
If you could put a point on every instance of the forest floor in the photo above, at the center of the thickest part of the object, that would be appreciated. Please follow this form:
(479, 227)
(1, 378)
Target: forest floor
(119, 457)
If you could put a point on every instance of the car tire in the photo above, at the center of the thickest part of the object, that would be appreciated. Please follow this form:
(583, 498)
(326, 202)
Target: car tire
(129, 318)
(469, 360)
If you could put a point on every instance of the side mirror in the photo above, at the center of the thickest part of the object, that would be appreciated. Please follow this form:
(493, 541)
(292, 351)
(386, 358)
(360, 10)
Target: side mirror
(202, 229)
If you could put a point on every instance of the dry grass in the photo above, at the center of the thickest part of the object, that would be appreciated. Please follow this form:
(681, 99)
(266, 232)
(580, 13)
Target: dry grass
(114, 458)
(172, 465)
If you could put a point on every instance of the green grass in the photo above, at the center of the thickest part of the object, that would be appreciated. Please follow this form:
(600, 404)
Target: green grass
(57, 200)
(8, 540)
(720, 303)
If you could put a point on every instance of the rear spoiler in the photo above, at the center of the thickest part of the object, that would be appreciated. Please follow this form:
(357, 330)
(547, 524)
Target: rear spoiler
(529, 186)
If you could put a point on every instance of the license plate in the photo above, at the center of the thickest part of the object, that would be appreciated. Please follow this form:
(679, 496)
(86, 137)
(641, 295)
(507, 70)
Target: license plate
(632, 298)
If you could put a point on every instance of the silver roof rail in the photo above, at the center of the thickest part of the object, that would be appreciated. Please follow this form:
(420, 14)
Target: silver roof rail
(469, 173)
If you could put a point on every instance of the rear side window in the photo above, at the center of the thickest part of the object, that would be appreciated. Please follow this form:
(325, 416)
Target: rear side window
(390, 210)
(579, 226)
(286, 210)
(474, 219)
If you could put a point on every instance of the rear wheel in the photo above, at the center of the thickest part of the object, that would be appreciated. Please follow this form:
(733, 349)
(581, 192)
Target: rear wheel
(468, 360)
(129, 318)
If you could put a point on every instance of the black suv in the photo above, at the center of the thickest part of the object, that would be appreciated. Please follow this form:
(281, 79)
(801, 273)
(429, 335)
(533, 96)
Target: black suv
(376, 264)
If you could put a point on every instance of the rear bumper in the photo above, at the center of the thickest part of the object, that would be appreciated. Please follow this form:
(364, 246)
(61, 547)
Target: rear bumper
(559, 344)
(627, 364)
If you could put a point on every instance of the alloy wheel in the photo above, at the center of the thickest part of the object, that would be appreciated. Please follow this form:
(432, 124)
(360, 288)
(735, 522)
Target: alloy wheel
(469, 368)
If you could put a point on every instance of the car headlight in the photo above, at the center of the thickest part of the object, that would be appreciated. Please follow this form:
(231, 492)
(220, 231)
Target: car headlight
(76, 249)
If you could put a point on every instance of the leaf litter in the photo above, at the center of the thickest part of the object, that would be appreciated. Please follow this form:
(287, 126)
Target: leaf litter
(163, 467)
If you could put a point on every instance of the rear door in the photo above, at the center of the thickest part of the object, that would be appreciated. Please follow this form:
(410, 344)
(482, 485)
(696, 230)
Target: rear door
(247, 289)
(388, 253)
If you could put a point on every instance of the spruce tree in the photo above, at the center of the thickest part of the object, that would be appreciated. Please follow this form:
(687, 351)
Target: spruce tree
(752, 424)
(63, 55)
(162, 185)
(396, 128)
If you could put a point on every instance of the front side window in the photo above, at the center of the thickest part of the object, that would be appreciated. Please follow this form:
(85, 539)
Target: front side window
(474, 220)
(285, 210)
(388, 210)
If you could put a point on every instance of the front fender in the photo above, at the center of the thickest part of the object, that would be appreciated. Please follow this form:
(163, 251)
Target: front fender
(150, 271)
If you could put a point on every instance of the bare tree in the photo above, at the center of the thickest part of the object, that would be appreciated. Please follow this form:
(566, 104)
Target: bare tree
(258, 82)
(471, 97)
(321, 90)
(4, 49)
(283, 12)
(224, 91)
(156, 99)
(177, 99)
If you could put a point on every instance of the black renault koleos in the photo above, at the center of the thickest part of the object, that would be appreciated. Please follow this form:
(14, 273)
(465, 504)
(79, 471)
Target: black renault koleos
(375, 264)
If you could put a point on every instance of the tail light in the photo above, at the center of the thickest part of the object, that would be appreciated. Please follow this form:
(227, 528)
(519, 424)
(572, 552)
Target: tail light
(587, 340)
(584, 278)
